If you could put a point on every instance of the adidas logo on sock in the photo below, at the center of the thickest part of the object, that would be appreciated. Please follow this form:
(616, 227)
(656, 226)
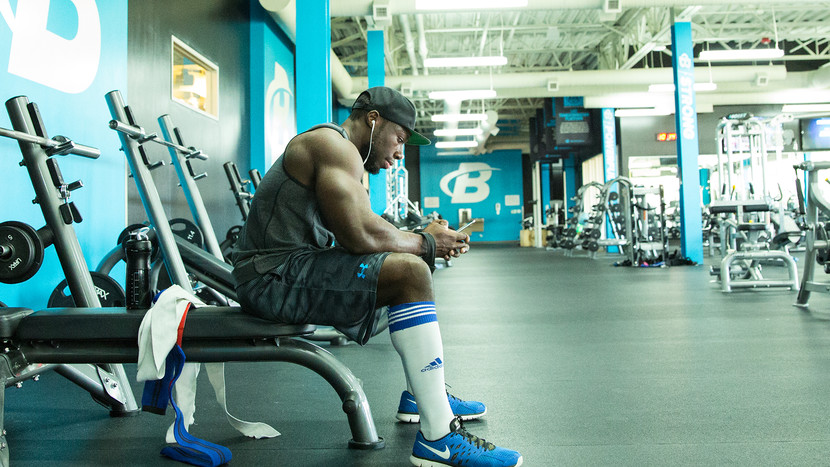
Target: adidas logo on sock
(433, 365)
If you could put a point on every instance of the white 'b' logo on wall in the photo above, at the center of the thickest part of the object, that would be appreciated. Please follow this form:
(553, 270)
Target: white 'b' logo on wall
(39, 55)
(468, 188)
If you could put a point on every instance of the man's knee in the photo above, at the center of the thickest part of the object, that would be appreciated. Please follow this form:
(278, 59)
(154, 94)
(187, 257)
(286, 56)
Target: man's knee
(405, 276)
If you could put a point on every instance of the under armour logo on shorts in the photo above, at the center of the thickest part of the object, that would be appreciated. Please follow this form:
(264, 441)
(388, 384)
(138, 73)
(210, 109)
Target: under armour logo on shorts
(362, 273)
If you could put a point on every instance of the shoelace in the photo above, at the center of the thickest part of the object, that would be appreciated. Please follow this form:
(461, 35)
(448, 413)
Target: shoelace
(478, 442)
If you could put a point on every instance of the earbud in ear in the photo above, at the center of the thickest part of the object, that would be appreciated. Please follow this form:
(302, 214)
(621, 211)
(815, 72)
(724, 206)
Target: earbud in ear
(373, 124)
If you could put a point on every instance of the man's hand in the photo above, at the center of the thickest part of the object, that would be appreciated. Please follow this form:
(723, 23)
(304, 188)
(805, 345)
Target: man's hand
(448, 243)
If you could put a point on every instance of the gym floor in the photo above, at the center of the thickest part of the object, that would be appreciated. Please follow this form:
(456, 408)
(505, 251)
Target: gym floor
(579, 363)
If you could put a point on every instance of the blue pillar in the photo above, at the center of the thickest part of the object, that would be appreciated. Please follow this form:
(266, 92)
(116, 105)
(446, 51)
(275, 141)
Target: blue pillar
(610, 166)
(691, 234)
(313, 58)
(569, 169)
(377, 77)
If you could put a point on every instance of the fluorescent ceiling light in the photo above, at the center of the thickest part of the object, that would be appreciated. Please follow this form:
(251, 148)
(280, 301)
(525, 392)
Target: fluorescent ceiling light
(806, 108)
(746, 54)
(453, 153)
(458, 62)
(463, 95)
(467, 4)
(458, 132)
(456, 144)
(646, 112)
(670, 87)
(459, 118)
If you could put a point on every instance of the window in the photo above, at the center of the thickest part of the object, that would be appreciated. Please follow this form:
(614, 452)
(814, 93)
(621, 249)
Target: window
(195, 80)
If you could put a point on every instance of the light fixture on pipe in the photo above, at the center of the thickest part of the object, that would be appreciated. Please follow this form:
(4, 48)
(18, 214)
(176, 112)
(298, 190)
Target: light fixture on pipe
(463, 95)
(456, 144)
(643, 112)
(468, 4)
(796, 108)
(459, 118)
(460, 62)
(458, 132)
(740, 55)
(668, 87)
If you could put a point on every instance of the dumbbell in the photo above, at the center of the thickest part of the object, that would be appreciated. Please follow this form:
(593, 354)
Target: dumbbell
(21, 250)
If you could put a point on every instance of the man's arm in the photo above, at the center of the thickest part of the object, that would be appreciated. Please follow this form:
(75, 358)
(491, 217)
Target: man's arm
(345, 204)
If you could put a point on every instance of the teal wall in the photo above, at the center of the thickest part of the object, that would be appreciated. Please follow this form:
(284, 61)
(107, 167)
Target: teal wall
(490, 185)
(272, 89)
(65, 68)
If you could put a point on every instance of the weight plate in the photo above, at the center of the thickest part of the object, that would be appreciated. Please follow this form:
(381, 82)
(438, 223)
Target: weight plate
(110, 293)
(187, 230)
(22, 252)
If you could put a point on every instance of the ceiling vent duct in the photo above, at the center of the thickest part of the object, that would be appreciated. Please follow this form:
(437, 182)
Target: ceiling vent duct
(380, 11)
(612, 6)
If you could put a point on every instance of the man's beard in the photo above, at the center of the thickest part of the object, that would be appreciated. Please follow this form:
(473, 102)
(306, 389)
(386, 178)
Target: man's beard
(372, 166)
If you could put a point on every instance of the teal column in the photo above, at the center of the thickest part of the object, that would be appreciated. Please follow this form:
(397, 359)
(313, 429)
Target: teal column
(691, 217)
(377, 77)
(610, 166)
(257, 93)
(545, 174)
(313, 59)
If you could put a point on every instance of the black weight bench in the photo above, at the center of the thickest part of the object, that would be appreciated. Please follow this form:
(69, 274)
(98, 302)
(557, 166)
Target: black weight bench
(212, 334)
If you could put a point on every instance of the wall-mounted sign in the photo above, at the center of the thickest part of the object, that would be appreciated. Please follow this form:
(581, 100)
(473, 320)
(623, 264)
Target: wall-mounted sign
(666, 136)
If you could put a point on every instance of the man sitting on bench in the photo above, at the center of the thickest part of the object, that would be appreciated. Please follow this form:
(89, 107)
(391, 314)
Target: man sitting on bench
(288, 269)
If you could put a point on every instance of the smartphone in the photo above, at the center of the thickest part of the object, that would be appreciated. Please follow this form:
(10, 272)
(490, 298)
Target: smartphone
(466, 226)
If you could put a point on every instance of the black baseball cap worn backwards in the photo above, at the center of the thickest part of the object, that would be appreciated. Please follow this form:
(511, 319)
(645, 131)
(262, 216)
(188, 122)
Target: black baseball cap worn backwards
(394, 107)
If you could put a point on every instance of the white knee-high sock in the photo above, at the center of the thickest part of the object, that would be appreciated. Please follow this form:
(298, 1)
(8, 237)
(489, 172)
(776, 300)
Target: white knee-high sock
(414, 330)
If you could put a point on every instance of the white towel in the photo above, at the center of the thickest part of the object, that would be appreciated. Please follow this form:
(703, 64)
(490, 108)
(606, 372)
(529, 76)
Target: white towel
(157, 336)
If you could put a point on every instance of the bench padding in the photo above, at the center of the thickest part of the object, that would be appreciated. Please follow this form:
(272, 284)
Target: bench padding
(57, 324)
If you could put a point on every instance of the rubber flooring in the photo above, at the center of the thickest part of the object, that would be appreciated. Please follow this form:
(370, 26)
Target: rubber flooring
(579, 363)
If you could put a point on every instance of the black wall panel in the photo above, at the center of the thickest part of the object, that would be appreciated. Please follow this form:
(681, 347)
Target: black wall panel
(219, 31)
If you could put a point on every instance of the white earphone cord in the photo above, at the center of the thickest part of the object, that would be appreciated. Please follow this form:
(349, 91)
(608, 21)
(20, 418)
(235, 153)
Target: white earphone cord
(371, 134)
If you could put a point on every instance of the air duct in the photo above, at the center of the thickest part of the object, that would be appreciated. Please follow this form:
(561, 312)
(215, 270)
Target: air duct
(364, 7)
(284, 12)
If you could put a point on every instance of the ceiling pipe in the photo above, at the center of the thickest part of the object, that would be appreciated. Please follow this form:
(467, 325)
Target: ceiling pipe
(410, 44)
(535, 84)
(423, 51)
(397, 7)
(284, 12)
(488, 128)
(820, 78)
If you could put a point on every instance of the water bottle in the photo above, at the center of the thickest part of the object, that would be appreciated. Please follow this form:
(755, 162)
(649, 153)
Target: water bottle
(138, 248)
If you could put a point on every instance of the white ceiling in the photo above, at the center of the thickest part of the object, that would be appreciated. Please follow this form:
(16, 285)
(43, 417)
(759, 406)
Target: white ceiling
(608, 57)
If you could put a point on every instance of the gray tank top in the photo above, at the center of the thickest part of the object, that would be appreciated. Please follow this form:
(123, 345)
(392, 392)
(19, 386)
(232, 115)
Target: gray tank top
(284, 218)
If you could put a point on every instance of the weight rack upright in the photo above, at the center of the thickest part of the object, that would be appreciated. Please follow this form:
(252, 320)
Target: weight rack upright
(107, 383)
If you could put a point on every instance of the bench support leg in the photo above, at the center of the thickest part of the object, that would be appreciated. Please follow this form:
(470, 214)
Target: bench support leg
(348, 387)
(107, 384)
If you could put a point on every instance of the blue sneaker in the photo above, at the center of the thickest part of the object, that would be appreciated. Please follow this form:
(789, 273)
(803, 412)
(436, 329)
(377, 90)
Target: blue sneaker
(467, 410)
(461, 448)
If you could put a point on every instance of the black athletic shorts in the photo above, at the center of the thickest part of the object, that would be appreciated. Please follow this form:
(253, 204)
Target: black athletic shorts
(330, 287)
